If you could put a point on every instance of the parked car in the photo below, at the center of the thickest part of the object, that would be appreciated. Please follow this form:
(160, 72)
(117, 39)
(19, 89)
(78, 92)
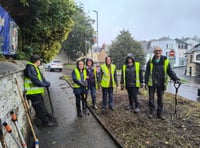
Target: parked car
(55, 65)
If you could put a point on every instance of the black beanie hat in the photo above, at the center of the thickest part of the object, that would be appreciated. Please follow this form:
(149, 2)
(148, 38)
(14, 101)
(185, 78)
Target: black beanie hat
(34, 58)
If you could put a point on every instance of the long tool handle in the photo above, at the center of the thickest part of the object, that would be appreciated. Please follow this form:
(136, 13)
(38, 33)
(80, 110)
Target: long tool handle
(2, 139)
(14, 119)
(9, 130)
(27, 115)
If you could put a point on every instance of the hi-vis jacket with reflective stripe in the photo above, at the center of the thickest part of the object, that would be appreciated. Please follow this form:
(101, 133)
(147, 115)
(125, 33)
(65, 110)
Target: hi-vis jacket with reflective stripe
(30, 88)
(166, 63)
(105, 80)
(137, 70)
(78, 76)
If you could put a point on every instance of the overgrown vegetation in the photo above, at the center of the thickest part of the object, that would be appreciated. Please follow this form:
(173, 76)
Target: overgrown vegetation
(81, 37)
(124, 44)
(43, 24)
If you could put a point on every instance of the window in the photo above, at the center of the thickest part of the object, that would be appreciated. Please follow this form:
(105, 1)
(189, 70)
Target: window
(191, 56)
(198, 57)
(171, 46)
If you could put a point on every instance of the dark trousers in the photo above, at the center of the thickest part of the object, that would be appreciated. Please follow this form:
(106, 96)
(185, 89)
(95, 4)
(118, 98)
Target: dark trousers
(133, 96)
(39, 107)
(160, 92)
(80, 98)
(93, 94)
(107, 92)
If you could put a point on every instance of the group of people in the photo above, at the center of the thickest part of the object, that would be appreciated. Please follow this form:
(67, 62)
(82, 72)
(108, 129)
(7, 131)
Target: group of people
(155, 79)
(88, 78)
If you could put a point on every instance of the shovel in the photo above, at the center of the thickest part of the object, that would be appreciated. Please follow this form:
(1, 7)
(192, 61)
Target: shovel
(176, 86)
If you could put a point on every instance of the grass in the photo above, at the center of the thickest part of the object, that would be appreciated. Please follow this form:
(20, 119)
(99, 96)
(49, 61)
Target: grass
(70, 66)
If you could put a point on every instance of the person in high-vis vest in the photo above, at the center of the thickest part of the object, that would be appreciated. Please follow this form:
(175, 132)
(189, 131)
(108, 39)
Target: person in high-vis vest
(92, 81)
(79, 76)
(156, 78)
(35, 84)
(108, 80)
(132, 79)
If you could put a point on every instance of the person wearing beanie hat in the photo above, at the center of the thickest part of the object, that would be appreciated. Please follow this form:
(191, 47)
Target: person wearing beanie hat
(131, 78)
(34, 87)
(34, 58)
(92, 81)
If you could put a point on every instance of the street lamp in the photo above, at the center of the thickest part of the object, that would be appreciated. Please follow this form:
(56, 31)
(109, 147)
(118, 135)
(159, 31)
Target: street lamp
(97, 38)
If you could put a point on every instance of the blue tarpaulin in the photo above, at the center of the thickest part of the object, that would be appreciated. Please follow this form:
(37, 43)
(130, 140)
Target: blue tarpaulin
(8, 34)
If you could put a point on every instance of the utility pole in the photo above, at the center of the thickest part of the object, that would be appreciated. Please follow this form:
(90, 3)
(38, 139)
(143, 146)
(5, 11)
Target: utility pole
(97, 37)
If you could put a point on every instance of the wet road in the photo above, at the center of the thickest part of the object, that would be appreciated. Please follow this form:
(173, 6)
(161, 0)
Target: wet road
(72, 132)
(188, 90)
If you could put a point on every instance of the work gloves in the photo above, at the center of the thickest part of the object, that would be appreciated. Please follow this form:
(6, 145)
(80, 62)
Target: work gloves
(177, 81)
(48, 84)
(83, 84)
(142, 85)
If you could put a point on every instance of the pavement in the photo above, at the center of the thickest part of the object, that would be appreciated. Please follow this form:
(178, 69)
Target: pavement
(72, 132)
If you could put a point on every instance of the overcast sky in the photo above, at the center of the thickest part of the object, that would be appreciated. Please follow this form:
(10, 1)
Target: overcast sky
(145, 19)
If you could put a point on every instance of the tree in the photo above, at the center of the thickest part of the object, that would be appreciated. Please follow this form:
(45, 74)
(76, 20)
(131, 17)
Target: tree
(124, 44)
(81, 37)
(43, 24)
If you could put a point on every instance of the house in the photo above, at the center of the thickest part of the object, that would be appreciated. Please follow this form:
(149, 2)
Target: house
(191, 43)
(182, 48)
(98, 54)
(101, 57)
(193, 63)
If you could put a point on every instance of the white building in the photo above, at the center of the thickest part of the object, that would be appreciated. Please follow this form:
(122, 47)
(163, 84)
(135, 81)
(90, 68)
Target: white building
(191, 43)
(182, 48)
(167, 45)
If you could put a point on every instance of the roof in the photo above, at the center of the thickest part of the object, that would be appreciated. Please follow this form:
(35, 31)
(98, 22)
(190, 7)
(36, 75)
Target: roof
(194, 49)
(102, 55)
(180, 41)
(164, 38)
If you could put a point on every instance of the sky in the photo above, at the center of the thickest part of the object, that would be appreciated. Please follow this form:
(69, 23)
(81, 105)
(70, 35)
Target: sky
(144, 19)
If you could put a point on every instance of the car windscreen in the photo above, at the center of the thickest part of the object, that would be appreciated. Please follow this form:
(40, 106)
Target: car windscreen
(56, 62)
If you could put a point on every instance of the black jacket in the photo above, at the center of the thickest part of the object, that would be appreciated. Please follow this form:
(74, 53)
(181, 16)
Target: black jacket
(30, 72)
(130, 76)
(158, 72)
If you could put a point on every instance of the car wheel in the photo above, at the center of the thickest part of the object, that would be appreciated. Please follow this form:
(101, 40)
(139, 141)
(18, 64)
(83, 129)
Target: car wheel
(60, 70)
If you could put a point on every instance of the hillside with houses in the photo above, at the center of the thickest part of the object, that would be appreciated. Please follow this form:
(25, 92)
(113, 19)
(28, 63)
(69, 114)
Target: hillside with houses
(181, 52)
(184, 52)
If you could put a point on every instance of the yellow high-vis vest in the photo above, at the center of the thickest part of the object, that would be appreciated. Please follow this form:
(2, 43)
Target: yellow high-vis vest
(137, 70)
(150, 81)
(78, 76)
(105, 81)
(30, 88)
(95, 77)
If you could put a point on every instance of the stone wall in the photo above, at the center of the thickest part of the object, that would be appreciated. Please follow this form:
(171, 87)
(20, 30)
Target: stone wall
(10, 99)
